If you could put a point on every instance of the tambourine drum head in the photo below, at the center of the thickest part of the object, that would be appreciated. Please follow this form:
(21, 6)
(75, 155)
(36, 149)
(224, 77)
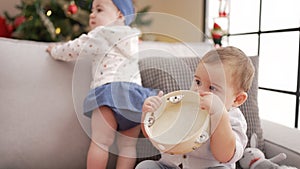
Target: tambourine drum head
(178, 126)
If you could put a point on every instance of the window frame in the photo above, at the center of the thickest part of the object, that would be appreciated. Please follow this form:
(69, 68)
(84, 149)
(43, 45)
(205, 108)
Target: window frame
(259, 33)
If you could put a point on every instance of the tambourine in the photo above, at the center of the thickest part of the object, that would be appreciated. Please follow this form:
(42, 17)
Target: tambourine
(178, 126)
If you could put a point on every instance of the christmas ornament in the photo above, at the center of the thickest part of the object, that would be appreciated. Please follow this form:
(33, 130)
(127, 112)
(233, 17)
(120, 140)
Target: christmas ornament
(222, 8)
(19, 20)
(5, 29)
(72, 8)
(217, 34)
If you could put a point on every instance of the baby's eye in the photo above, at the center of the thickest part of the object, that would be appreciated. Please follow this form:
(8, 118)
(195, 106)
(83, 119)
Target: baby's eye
(96, 10)
(198, 82)
(212, 88)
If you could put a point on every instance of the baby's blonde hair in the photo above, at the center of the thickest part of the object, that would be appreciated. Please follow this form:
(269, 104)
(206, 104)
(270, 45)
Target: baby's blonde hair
(241, 67)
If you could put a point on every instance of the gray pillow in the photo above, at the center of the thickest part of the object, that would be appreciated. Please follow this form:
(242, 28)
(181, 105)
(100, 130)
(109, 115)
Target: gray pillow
(170, 74)
(250, 108)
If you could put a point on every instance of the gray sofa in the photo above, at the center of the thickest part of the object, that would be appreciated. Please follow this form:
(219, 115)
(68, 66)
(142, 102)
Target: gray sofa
(41, 125)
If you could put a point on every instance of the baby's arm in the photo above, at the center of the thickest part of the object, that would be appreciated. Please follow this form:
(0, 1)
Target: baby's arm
(68, 51)
(151, 104)
(222, 140)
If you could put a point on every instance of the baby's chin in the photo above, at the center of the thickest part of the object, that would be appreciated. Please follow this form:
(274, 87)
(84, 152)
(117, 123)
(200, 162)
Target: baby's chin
(92, 26)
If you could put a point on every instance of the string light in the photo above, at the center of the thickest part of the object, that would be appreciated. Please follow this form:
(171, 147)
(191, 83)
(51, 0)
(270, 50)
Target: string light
(57, 30)
(49, 13)
(30, 18)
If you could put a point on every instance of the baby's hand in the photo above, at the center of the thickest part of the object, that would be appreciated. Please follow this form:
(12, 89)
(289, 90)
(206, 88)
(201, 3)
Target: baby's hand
(50, 48)
(211, 102)
(152, 103)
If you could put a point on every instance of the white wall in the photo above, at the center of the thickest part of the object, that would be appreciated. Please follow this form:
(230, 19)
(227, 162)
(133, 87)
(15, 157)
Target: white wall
(181, 18)
(9, 5)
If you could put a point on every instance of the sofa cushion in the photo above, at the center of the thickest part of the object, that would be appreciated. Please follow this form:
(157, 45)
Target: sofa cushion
(168, 74)
(173, 73)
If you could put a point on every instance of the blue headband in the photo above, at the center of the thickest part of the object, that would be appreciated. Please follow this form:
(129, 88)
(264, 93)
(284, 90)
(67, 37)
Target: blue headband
(126, 8)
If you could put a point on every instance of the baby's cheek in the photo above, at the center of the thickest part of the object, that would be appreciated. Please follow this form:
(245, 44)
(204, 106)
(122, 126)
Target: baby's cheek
(194, 88)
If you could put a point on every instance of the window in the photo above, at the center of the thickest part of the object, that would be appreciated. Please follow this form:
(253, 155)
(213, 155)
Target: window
(270, 29)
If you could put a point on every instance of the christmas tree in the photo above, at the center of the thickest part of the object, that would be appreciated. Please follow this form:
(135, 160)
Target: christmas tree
(53, 20)
(50, 20)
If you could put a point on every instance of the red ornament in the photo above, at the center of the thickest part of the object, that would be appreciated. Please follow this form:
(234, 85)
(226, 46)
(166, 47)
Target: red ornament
(19, 20)
(5, 29)
(222, 14)
(10, 28)
(73, 8)
(222, 8)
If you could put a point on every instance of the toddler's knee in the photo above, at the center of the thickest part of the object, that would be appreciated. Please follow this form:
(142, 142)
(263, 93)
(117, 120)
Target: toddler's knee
(127, 151)
(127, 146)
(104, 143)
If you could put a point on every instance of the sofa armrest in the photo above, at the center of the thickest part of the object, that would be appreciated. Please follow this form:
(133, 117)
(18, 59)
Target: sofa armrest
(39, 127)
(281, 139)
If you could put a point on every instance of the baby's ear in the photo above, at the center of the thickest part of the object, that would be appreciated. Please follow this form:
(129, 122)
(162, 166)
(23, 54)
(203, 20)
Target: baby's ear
(240, 99)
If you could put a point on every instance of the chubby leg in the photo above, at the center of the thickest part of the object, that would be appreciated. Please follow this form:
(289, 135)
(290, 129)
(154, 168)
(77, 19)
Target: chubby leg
(103, 133)
(126, 142)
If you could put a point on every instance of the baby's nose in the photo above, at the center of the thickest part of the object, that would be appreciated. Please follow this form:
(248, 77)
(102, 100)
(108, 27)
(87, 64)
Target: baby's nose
(198, 90)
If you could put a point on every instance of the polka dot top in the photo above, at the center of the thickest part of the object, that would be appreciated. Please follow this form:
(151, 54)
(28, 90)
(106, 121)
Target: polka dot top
(114, 53)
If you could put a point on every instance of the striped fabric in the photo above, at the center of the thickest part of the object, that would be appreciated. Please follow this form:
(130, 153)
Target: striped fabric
(250, 108)
(168, 74)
